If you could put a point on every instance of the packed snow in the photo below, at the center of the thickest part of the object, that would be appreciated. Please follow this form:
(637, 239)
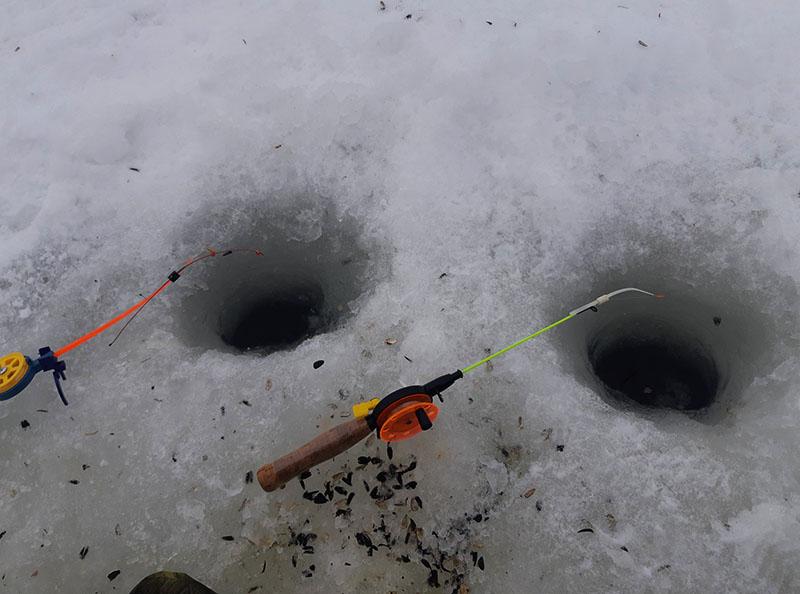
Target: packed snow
(437, 180)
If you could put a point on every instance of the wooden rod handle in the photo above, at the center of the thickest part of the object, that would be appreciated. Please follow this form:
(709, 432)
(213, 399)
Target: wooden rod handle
(323, 447)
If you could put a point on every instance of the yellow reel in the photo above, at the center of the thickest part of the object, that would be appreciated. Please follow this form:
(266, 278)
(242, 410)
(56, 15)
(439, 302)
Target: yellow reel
(13, 368)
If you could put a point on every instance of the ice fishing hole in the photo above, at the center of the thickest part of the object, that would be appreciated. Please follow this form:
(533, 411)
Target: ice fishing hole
(646, 362)
(695, 352)
(315, 267)
(712, 345)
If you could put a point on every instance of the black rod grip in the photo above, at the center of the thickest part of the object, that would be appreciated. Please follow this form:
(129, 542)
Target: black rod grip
(441, 383)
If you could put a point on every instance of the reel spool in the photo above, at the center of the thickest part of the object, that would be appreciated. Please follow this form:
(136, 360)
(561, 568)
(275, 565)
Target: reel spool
(17, 371)
(15, 375)
(405, 412)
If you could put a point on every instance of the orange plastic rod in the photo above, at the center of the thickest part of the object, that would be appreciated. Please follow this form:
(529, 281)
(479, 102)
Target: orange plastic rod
(79, 341)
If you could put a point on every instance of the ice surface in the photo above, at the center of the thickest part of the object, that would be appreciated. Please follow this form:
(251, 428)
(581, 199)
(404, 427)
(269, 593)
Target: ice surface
(536, 153)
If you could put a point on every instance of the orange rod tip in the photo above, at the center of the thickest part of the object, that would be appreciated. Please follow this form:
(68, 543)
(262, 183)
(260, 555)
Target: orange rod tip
(660, 295)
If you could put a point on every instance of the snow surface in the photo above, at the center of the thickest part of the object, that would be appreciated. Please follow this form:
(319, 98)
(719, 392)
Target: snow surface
(536, 153)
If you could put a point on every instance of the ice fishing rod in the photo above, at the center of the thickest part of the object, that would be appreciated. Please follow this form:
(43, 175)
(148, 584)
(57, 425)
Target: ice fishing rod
(400, 415)
(17, 370)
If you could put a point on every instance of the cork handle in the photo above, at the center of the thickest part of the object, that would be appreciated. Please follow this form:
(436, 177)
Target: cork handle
(323, 447)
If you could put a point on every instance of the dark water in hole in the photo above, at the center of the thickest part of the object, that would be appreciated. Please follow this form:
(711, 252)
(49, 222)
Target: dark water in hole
(657, 373)
(275, 322)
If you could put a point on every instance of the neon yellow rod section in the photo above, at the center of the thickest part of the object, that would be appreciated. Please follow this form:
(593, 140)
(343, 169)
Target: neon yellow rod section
(516, 344)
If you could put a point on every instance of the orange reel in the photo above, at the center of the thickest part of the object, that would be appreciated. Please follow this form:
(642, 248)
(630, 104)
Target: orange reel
(406, 412)
(405, 419)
